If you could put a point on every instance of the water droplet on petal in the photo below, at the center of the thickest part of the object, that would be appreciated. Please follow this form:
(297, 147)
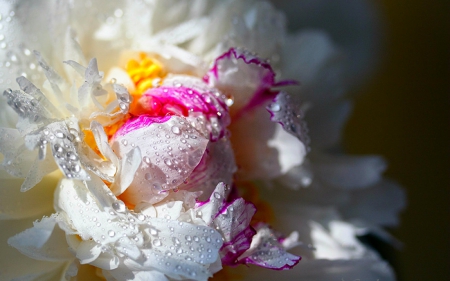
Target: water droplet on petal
(176, 130)
(157, 242)
(119, 206)
(111, 233)
(275, 107)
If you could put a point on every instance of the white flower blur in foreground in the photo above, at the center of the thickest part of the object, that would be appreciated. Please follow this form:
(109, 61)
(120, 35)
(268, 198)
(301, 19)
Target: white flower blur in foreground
(177, 149)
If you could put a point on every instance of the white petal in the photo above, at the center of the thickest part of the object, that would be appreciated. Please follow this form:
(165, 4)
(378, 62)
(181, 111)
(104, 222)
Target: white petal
(379, 204)
(17, 160)
(44, 241)
(217, 165)
(266, 251)
(208, 210)
(339, 243)
(291, 152)
(360, 38)
(128, 166)
(243, 76)
(13, 264)
(169, 210)
(326, 123)
(88, 251)
(106, 261)
(102, 143)
(256, 159)
(235, 218)
(287, 112)
(311, 58)
(152, 275)
(171, 165)
(348, 171)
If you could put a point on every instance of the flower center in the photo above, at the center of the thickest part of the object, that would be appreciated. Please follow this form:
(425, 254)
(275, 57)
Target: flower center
(144, 73)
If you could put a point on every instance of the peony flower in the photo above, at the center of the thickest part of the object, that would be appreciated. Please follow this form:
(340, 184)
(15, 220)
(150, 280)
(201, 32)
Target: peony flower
(167, 140)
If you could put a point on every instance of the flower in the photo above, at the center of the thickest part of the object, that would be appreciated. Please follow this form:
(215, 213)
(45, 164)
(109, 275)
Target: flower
(164, 165)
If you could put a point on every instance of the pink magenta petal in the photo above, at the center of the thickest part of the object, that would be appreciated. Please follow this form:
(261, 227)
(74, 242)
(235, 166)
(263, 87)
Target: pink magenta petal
(170, 152)
(266, 251)
(190, 97)
(230, 251)
(217, 165)
(246, 77)
(286, 112)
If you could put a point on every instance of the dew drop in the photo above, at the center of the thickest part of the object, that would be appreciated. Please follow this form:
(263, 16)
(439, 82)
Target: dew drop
(119, 206)
(111, 233)
(176, 130)
(60, 134)
(275, 107)
(229, 101)
(157, 242)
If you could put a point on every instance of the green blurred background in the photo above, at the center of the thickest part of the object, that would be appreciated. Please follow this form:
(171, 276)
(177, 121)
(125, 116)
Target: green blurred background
(403, 114)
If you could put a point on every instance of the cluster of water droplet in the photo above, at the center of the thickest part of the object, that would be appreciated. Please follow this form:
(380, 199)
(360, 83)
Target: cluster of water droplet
(19, 60)
(290, 116)
(207, 107)
(123, 97)
(172, 246)
(63, 138)
(24, 105)
(170, 152)
(269, 253)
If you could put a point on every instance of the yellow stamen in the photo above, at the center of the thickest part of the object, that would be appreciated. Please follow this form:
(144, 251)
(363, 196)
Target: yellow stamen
(144, 72)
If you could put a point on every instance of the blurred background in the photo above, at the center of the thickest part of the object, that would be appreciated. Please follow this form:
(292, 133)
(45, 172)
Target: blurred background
(402, 113)
(400, 63)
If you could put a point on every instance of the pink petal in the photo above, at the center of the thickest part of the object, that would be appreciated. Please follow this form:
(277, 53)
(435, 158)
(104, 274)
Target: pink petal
(245, 77)
(217, 165)
(287, 112)
(170, 152)
(266, 251)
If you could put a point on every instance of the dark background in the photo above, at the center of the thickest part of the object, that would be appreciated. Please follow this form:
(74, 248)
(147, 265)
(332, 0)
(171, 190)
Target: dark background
(403, 114)
(401, 111)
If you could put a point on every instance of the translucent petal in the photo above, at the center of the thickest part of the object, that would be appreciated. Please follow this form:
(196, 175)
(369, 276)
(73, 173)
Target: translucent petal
(349, 171)
(44, 241)
(217, 165)
(265, 251)
(165, 166)
(13, 264)
(128, 166)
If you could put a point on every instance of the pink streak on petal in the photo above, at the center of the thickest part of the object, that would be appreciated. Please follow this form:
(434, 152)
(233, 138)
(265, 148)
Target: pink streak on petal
(263, 92)
(140, 122)
(230, 251)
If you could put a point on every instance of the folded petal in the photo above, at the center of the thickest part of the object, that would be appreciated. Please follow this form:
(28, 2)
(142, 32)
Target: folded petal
(266, 251)
(171, 150)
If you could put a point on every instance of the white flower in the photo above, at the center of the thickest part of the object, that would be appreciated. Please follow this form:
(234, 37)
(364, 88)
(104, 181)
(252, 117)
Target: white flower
(152, 145)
